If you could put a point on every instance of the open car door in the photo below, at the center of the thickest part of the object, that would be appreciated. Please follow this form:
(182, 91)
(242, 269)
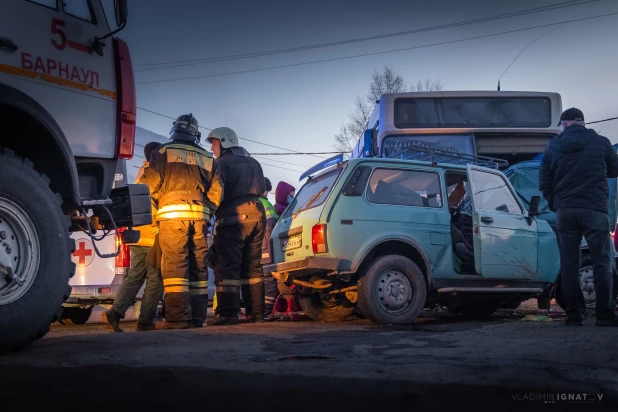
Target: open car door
(505, 241)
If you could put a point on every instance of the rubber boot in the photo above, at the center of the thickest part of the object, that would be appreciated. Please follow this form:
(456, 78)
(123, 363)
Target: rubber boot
(165, 325)
(223, 321)
(112, 319)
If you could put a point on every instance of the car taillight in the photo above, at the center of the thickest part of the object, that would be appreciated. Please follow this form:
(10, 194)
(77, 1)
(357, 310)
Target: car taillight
(126, 106)
(318, 239)
(123, 260)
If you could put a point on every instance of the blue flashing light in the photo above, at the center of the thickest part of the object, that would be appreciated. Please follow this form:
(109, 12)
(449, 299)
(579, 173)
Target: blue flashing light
(322, 165)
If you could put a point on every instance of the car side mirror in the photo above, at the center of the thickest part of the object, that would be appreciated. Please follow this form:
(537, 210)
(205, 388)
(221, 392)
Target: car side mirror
(533, 209)
(121, 12)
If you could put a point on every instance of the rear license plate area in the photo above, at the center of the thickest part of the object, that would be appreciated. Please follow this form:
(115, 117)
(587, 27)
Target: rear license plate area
(292, 242)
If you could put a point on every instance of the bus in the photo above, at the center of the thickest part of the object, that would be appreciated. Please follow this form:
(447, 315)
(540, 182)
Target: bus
(513, 126)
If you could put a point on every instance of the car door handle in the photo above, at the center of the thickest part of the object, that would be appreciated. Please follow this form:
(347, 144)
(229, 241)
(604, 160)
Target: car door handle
(486, 219)
(8, 44)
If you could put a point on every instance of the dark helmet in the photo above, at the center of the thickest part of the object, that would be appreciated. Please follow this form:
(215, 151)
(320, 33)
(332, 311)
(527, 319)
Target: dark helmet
(186, 128)
(269, 186)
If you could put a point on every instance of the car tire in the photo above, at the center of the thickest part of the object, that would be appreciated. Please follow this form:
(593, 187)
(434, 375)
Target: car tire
(393, 291)
(75, 315)
(586, 264)
(31, 211)
(324, 310)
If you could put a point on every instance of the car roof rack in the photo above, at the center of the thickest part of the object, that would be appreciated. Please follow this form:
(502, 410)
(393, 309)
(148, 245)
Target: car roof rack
(435, 156)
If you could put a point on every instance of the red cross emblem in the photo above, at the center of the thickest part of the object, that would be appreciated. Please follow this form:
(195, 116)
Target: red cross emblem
(84, 253)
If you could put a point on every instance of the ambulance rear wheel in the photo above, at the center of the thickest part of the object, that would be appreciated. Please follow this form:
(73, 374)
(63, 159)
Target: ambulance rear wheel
(35, 242)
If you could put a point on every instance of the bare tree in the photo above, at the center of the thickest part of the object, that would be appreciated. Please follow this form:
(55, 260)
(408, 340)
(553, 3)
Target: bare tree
(427, 86)
(385, 81)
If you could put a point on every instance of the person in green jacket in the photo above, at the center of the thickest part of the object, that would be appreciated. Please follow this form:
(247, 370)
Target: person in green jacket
(271, 293)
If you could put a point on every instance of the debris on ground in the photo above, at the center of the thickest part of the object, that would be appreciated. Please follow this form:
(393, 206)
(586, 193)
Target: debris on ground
(536, 318)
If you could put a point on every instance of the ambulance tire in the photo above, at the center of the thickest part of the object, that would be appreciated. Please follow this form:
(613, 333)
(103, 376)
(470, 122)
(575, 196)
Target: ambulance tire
(75, 315)
(393, 291)
(26, 193)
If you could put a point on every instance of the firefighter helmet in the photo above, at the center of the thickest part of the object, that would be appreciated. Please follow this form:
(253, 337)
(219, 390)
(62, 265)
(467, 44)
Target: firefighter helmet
(186, 128)
(226, 135)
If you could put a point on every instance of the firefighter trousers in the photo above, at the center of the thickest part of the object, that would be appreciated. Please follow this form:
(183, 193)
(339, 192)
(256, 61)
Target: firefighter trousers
(183, 267)
(238, 248)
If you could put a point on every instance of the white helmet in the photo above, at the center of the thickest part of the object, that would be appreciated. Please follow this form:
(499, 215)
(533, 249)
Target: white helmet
(226, 135)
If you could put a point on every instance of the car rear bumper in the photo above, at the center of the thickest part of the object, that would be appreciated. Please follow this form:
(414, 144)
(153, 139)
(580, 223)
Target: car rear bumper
(305, 266)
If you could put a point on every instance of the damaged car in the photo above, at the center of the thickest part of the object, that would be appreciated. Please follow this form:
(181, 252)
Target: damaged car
(391, 237)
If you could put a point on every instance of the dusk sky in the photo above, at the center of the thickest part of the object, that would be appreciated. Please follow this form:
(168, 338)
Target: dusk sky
(303, 107)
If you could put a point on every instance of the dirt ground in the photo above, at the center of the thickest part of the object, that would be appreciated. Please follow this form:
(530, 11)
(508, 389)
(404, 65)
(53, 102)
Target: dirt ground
(442, 361)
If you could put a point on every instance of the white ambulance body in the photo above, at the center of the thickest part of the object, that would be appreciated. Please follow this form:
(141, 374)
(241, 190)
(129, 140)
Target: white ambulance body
(68, 113)
(97, 280)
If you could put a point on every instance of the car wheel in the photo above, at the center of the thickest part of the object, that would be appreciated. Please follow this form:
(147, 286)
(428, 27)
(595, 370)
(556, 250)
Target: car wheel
(37, 242)
(393, 291)
(586, 281)
(75, 315)
(324, 307)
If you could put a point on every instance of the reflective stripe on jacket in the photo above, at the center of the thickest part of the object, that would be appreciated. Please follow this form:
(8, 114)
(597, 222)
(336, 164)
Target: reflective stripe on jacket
(271, 221)
(186, 173)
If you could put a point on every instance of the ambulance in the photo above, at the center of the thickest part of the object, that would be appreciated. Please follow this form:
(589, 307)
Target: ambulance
(68, 115)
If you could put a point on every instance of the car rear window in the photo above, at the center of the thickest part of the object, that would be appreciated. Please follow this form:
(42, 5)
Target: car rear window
(314, 193)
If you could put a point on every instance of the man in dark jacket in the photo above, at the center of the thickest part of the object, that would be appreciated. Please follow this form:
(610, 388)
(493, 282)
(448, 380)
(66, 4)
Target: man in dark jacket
(573, 179)
(237, 184)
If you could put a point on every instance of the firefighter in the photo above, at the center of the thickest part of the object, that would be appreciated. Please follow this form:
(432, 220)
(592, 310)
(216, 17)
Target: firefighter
(185, 170)
(237, 184)
(141, 270)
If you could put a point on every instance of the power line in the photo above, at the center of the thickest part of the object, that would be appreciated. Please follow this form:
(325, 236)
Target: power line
(604, 120)
(375, 53)
(244, 138)
(191, 62)
(526, 48)
(279, 161)
(299, 153)
(284, 168)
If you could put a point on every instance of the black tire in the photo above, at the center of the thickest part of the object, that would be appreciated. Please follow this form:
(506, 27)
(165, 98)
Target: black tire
(585, 263)
(327, 310)
(375, 307)
(75, 315)
(27, 318)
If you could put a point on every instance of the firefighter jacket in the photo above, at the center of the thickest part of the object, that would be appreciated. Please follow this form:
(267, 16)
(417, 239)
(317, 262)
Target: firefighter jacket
(271, 221)
(185, 170)
(147, 176)
(242, 178)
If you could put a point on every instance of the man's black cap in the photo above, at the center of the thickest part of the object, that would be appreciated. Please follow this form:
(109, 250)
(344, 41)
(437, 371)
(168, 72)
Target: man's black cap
(269, 186)
(572, 114)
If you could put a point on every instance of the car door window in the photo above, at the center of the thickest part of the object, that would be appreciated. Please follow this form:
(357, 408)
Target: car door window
(405, 188)
(491, 192)
(79, 8)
